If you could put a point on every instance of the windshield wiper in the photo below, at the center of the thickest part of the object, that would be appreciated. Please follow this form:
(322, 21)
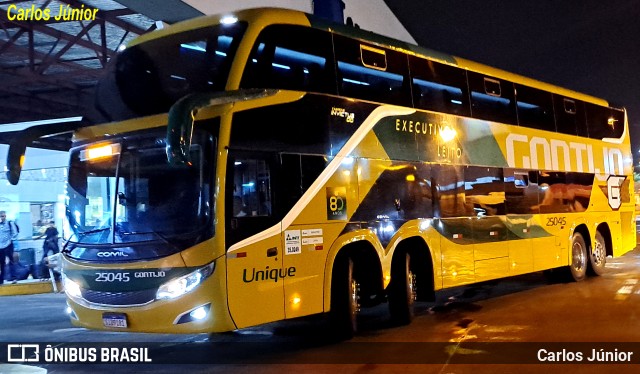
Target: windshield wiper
(81, 235)
(161, 236)
(84, 233)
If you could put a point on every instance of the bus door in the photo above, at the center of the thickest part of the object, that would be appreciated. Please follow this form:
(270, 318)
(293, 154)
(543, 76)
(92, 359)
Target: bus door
(308, 238)
(254, 248)
(521, 198)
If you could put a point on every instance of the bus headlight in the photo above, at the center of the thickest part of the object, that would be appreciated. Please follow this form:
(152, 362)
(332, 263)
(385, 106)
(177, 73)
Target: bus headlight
(70, 287)
(185, 284)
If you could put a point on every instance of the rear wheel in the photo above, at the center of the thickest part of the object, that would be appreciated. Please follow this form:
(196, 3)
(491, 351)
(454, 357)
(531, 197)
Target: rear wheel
(402, 290)
(598, 257)
(345, 298)
(579, 259)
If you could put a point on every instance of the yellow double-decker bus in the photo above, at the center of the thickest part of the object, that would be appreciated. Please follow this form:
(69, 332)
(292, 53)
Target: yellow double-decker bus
(267, 165)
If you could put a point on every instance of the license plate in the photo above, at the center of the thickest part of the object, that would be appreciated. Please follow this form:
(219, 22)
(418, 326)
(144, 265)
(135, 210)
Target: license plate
(118, 320)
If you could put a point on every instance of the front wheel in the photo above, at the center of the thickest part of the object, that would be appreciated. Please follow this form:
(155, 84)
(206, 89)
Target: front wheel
(598, 257)
(578, 266)
(402, 290)
(345, 298)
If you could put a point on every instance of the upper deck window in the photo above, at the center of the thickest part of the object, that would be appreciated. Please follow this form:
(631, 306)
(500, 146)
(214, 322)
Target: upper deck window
(149, 77)
(492, 99)
(293, 58)
(535, 108)
(439, 87)
(570, 117)
(603, 122)
(371, 73)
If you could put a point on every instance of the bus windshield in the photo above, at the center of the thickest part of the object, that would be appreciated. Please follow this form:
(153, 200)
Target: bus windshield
(124, 192)
(148, 78)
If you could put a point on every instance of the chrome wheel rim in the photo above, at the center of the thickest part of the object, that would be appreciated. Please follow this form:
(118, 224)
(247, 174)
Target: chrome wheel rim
(598, 254)
(579, 258)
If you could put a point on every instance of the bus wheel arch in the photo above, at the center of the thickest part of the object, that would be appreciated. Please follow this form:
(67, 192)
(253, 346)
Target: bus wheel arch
(356, 281)
(411, 278)
(600, 249)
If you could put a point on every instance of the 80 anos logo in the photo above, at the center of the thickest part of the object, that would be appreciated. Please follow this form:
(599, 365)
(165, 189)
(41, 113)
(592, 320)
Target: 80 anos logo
(336, 203)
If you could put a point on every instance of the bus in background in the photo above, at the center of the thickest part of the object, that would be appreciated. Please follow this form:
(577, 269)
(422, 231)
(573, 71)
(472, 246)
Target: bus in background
(268, 165)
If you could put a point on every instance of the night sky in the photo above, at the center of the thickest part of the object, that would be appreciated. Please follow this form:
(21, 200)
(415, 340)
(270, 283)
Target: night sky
(590, 46)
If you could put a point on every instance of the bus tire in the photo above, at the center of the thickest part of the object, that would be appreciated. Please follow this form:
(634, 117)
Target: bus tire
(345, 298)
(598, 257)
(579, 259)
(402, 290)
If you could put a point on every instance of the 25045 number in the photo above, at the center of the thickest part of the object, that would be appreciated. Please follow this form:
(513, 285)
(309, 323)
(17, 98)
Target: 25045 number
(555, 221)
(112, 277)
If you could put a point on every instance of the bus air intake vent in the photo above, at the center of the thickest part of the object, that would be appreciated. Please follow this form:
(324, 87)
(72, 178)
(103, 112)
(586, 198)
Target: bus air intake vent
(119, 298)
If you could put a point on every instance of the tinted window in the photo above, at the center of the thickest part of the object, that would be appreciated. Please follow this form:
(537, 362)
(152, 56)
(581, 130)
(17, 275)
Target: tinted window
(371, 73)
(535, 108)
(249, 189)
(299, 172)
(298, 127)
(148, 78)
(579, 186)
(491, 99)
(553, 192)
(564, 192)
(484, 190)
(439, 87)
(449, 188)
(521, 191)
(603, 122)
(570, 117)
(291, 57)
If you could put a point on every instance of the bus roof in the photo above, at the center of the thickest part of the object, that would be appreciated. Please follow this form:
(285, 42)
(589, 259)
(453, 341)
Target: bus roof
(266, 16)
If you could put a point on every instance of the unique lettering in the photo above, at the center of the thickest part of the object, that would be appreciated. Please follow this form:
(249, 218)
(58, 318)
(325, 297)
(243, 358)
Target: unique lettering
(268, 274)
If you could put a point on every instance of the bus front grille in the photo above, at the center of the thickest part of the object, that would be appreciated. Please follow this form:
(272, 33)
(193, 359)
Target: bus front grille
(130, 298)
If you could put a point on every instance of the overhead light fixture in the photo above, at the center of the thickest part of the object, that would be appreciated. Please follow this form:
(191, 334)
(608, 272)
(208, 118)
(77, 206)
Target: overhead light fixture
(228, 20)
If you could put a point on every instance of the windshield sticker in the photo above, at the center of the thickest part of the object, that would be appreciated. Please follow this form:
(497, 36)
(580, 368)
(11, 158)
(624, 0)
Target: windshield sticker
(311, 232)
(307, 241)
(292, 242)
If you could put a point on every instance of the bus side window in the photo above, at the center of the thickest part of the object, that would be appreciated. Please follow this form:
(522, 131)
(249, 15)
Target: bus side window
(484, 191)
(449, 188)
(291, 57)
(554, 194)
(492, 99)
(535, 108)
(439, 87)
(570, 117)
(251, 188)
(604, 122)
(297, 172)
(521, 191)
(371, 73)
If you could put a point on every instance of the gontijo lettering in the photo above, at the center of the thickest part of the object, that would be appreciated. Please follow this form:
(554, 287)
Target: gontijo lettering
(524, 151)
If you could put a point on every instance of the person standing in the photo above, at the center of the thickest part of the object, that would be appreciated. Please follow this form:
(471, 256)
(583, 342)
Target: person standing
(50, 241)
(8, 233)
